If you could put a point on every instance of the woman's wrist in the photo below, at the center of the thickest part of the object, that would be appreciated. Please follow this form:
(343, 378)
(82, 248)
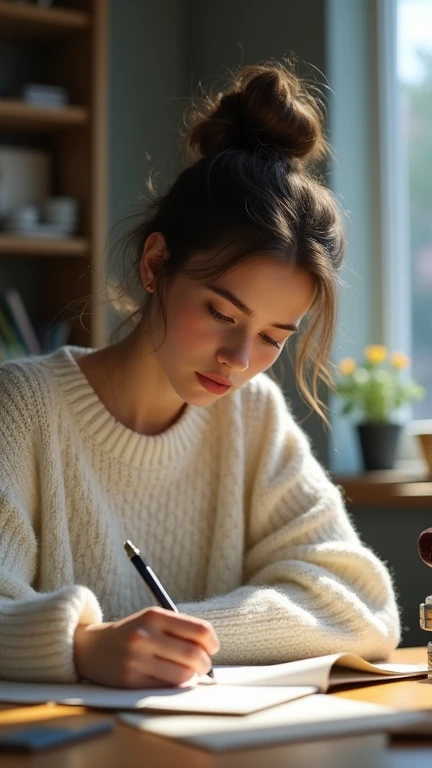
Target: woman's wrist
(82, 641)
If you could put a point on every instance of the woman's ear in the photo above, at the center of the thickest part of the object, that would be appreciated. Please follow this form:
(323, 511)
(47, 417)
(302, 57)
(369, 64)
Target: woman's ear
(154, 253)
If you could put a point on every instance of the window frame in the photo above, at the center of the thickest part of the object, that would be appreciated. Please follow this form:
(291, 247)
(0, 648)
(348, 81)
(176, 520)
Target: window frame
(394, 205)
(396, 280)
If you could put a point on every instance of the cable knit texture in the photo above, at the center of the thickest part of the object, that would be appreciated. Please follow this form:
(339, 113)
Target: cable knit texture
(229, 506)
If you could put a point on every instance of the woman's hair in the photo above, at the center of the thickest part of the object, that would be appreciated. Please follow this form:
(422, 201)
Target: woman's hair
(247, 191)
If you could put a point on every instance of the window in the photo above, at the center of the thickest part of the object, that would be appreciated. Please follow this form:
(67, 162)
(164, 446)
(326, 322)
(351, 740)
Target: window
(410, 138)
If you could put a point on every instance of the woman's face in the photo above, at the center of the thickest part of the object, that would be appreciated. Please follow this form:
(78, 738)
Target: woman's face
(227, 330)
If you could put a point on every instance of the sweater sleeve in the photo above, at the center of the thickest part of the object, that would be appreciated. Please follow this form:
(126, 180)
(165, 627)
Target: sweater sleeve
(36, 629)
(310, 586)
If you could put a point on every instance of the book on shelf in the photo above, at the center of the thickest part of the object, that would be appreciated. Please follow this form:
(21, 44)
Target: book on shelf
(19, 316)
(18, 335)
(10, 342)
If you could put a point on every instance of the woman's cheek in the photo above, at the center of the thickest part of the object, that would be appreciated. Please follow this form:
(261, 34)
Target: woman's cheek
(191, 326)
(264, 358)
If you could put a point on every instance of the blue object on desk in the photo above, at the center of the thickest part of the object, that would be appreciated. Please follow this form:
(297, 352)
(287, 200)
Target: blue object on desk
(38, 737)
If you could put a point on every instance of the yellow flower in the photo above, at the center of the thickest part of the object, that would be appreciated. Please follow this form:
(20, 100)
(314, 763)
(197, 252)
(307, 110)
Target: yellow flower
(347, 366)
(399, 360)
(375, 353)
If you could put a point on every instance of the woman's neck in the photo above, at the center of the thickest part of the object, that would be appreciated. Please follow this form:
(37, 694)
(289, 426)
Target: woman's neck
(132, 386)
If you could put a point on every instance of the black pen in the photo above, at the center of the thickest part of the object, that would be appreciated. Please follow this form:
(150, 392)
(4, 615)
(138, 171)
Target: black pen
(152, 581)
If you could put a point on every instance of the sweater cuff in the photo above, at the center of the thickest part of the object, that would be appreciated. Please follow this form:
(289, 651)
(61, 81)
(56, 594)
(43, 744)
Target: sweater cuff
(37, 635)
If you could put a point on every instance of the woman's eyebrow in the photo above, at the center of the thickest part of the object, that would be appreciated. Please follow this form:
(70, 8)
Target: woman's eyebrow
(226, 294)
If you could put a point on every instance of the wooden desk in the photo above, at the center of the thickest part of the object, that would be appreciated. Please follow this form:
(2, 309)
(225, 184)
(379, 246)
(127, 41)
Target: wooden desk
(387, 488)
(129, 748)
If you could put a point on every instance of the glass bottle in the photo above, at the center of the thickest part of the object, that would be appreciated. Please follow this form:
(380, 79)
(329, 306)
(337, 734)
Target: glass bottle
(426, 623)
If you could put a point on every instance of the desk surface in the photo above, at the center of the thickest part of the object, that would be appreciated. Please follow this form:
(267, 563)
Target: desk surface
(130, 748)
(388, 488)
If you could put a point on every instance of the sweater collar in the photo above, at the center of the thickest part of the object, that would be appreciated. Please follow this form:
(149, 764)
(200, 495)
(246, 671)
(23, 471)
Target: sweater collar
(112, 436)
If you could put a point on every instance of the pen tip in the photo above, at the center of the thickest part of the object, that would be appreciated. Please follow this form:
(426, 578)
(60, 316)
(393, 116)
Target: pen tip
(131, 551)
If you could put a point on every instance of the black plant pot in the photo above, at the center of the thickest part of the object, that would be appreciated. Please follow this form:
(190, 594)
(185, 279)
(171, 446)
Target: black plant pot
(379, 444)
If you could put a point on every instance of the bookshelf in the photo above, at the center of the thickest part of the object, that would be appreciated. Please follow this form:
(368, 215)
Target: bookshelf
(22, 118)
(21, 21)
(14, 245)
(64, 45)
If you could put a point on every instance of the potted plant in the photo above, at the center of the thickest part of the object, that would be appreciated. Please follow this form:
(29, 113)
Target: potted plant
(376, 389)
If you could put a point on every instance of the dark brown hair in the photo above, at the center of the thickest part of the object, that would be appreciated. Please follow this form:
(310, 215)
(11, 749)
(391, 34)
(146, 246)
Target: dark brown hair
(248, 190)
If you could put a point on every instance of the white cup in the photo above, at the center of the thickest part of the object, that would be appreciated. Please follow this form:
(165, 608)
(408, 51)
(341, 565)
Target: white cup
(62, 211)
(23, 218)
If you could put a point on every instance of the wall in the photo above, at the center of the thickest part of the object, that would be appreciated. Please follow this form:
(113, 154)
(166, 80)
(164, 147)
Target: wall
(147, 76)
(230, 34)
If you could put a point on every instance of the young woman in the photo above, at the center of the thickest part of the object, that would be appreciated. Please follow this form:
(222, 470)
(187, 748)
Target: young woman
(176, 439)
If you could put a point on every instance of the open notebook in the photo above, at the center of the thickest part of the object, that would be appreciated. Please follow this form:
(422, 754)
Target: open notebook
(320, 671)
(235, 691)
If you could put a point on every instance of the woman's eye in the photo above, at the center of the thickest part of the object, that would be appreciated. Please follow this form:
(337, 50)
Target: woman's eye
(217, 315)
(272, 342)
(224, 319)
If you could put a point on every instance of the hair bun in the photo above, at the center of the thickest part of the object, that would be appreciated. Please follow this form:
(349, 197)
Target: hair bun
(266, 105)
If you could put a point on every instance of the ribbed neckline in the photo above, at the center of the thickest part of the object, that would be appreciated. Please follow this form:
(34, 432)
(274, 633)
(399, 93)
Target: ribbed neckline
(113, 437)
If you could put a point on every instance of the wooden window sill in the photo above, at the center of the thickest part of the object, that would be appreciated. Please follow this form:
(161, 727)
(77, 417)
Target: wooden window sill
(390, 488)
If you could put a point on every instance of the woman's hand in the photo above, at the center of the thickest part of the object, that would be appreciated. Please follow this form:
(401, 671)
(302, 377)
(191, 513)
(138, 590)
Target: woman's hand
(152, 648)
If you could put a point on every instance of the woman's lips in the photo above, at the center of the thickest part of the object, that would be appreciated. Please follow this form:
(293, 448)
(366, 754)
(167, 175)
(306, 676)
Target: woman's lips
(211, 385)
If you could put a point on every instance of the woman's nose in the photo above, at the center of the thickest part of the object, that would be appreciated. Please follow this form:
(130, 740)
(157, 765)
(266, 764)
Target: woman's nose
(236, 356)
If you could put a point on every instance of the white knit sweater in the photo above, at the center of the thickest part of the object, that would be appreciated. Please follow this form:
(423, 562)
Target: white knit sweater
(229, 506)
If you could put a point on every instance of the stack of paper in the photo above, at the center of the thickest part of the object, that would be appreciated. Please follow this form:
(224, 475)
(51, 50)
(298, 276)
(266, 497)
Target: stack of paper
(308, 719)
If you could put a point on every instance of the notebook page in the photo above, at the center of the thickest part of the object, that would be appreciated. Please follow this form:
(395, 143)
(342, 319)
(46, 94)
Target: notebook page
(303, 672)
(315, 671)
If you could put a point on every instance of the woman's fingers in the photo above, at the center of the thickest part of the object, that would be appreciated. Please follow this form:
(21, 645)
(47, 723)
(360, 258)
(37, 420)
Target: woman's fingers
(156, 672)
(171, 648)
(182, 626)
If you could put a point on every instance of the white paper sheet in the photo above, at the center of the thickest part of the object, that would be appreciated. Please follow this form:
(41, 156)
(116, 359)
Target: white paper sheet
(212, 699)
(315, 717)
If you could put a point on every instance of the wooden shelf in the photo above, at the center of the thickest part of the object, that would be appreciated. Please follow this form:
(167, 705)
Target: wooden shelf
(66, 47)
(17, 245)
(32, 22)
(390, 488)
(17, 115)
